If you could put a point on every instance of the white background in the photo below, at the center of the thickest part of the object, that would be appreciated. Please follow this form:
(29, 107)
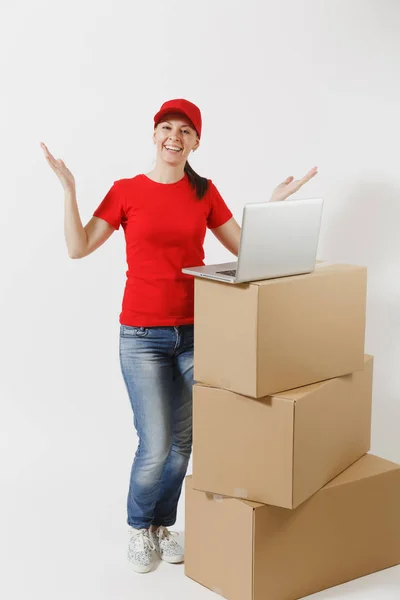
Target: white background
(282, 86)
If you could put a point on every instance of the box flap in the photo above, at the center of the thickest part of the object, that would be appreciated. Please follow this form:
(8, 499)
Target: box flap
(219, 497)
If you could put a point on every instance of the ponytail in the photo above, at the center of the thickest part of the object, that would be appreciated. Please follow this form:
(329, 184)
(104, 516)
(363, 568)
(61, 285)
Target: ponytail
(200, 184)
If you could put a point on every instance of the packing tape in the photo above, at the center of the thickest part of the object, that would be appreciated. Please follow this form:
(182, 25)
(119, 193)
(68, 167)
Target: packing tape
(217, 497)
(240, 493)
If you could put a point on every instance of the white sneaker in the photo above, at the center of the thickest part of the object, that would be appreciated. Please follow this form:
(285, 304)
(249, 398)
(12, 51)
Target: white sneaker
(166, 546)
(140, 550)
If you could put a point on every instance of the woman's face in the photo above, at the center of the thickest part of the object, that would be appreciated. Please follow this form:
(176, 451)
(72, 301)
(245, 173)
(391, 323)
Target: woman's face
(175, 138)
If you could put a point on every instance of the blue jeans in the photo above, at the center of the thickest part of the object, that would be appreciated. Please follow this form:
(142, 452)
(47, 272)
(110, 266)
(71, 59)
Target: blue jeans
(157, 367)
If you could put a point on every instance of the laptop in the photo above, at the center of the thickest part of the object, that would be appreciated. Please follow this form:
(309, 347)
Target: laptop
(278, 239)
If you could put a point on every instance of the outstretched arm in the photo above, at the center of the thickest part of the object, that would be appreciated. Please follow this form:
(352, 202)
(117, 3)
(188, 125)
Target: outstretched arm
(80, 240)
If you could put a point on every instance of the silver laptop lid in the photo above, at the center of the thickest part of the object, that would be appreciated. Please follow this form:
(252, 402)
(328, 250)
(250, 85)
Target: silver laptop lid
(279, 238)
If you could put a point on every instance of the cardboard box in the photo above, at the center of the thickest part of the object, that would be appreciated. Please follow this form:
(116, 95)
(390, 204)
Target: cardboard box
(269, 336)
(280, 450)
(248, 551)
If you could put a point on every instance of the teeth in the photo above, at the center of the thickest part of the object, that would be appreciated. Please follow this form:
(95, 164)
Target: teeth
(172, 148)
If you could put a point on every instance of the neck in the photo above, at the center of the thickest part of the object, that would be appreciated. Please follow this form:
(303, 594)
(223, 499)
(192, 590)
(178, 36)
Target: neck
(165, 173)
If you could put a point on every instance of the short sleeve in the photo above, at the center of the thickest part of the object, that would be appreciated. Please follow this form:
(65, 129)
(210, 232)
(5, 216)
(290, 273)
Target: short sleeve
(219, 213)
(111, 207)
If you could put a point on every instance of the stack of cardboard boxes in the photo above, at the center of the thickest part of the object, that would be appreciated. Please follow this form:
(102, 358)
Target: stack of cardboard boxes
(284, 500)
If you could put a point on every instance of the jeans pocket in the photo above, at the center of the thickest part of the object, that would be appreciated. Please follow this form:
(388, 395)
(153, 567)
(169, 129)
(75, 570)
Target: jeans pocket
(130, 331)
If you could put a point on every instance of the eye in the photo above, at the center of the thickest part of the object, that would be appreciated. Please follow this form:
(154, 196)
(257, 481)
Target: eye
(166, 127)
(186, 131)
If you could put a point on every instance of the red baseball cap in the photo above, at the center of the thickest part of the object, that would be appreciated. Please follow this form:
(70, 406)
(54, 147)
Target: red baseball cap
(184, 107)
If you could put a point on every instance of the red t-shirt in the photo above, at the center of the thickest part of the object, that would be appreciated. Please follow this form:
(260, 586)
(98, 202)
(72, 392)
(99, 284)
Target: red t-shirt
(165, 226)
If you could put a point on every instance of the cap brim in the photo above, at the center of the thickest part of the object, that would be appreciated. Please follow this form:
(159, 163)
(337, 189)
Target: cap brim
(172, 110)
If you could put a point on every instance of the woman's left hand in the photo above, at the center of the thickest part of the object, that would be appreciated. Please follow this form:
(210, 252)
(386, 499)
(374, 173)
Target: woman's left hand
(291, 185)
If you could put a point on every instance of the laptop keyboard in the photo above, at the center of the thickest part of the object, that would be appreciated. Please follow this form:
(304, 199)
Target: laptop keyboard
(232, 272)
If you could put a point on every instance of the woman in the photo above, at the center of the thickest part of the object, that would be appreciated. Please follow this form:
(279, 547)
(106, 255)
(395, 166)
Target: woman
(164, 214)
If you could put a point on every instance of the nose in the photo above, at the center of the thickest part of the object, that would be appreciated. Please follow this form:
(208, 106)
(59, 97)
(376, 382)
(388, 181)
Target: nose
(174, 134)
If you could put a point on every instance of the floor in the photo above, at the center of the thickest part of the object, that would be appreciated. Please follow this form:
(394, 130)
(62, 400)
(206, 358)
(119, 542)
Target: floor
(63, 536)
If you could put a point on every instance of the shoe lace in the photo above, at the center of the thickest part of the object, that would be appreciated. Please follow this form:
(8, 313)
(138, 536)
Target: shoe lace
(165, 534)
(142, 540)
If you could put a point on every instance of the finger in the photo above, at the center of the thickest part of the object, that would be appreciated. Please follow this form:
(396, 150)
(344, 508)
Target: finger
(53, 161)
(53, 164)
(308, 176)
(63, 166)
(46, 151)
(288, 180)
(45, 148)
(313, 171)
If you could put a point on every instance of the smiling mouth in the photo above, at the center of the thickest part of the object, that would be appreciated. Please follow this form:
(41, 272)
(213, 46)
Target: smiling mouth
(172, 149)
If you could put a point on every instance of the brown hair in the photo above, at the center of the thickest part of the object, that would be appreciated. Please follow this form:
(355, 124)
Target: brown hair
(198, 183)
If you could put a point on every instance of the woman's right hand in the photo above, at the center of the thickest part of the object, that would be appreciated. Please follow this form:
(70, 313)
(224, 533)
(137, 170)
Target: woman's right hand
(63, 173)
